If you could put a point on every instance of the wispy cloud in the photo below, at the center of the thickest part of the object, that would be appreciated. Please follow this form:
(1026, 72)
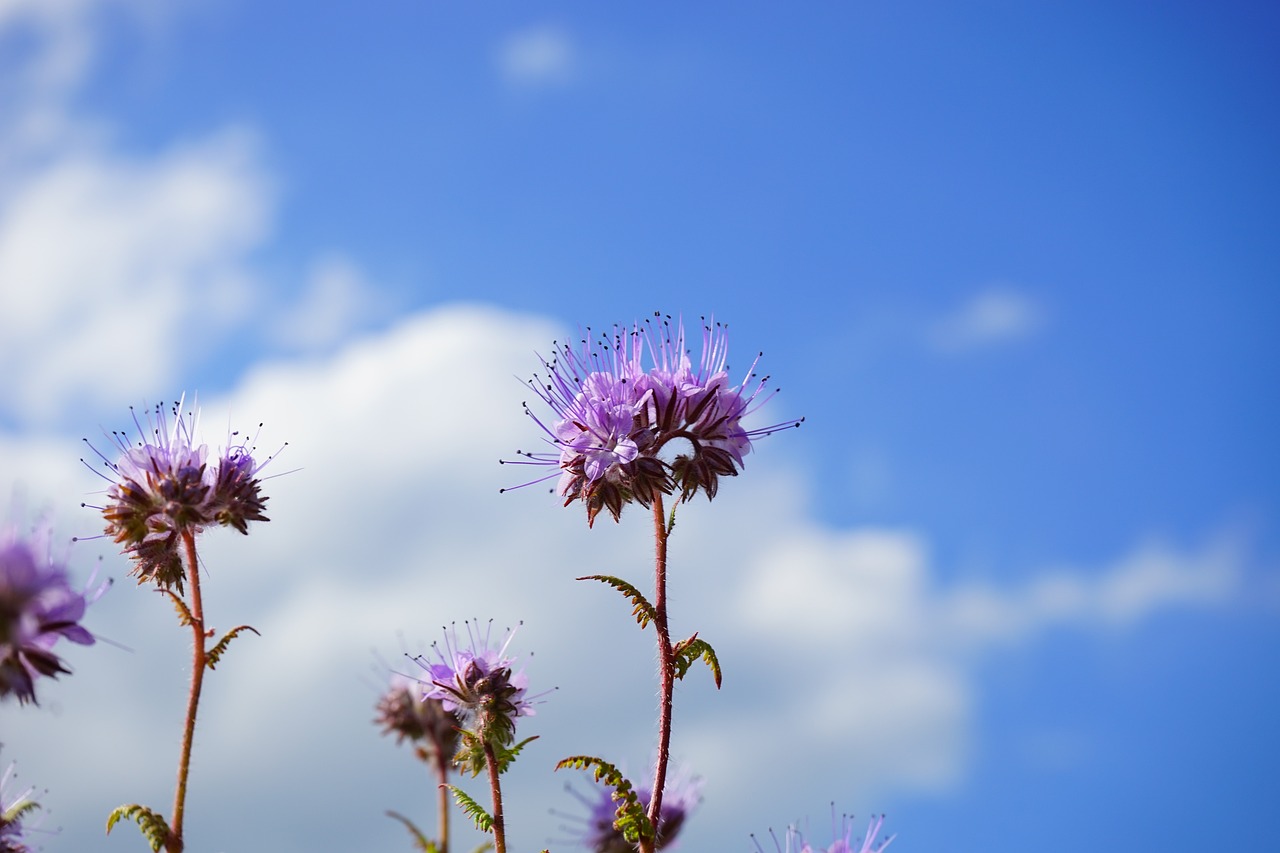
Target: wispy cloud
(540, 56)
(993, 316)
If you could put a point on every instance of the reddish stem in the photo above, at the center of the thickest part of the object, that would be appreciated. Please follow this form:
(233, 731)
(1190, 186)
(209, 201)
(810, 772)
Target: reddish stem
(499, 830)
(174, 843)
(666, 667)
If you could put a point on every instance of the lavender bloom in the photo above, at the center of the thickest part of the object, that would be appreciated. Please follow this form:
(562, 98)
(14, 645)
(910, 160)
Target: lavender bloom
(478, 683)
(680, 797)
(13, 808)
(614, 416)
(37, 607)
(163, 488)
(404, 711)
(843, 843)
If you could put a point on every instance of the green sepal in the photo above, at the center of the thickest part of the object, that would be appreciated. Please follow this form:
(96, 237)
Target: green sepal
(630, 818)
(150, 824)
(687, 651)
(420, 841)
(473, 810)
(643, 610)
(214, 654)
(184, 613)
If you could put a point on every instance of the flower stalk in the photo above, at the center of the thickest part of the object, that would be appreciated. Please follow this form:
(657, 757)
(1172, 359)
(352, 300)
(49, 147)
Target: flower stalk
(198, 663)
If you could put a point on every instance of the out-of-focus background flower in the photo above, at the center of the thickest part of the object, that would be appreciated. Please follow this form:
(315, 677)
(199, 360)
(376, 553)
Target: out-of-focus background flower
(1016, 263)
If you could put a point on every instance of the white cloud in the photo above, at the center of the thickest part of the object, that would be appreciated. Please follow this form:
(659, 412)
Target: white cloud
(338, 300)
(93, 243)
(993, 316)
(538, 56)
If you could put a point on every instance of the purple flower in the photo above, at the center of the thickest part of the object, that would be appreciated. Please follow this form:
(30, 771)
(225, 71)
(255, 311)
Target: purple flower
(163, 488)
(844, 842)
(478, 683)
(680, 797)
(404, 711)
(37, 607)
(615, 417)
(13, 808)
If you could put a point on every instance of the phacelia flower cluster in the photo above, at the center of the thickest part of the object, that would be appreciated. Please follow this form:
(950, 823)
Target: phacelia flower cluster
(406, 713)
(680, 797)
(14, 807)
(479, 683)
(37, 608)
(164, 487)
(635, 418)
(844, 842)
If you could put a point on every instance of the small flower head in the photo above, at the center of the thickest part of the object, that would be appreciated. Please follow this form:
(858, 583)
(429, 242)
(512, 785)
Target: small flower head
(680, 797)
(14, 807)
(404, 712)
(163, 487)
(37, 608)
(629, 428)
(844, 842)
(479, 683)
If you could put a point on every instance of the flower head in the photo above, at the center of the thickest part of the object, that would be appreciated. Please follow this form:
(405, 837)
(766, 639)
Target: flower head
(617, 414)
(13, 808)
(479, 683)
(795, 842)
(404, 711)
(37, 607)
(163, 488)
(680, 797)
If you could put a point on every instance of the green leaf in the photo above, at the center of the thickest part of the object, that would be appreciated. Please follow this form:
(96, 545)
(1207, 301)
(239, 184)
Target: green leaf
(184, 614)
(150, 824)
(215, 654)
(687, 651)
(473, 810)
(420, 841)
(630, 818)
(643, 610)
(17, 813)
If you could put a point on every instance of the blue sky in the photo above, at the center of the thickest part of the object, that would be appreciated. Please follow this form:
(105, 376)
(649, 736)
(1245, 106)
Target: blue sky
(1013, 583)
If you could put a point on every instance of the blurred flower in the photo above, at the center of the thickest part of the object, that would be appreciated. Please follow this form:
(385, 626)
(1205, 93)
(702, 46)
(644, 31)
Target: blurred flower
(13, 808)
(37, 606)
(402, 710)
(478, 683)
(683, 794)
(614, 417)
(795, 842)
(163, 487)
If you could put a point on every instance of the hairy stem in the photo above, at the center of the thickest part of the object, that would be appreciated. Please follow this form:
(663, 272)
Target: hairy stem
(499, 830)
(174, 843)
(666, 666)
(442, 797)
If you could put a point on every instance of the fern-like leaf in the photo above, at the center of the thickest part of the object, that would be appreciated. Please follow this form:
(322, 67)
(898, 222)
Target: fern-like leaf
(214, 654)
(483, 820)
(642, 609)
(420, 841)
(507, 754)
(184, 613)
(150, 824)
(16, 814)
(630, 818)
(688, 651)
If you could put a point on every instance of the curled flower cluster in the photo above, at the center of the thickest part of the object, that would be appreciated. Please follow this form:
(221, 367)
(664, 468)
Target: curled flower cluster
(13, 808)
(616, 418)
(406, 713)
(795, 842)
(680, 797)
(478, 683)
(37, 607)
(163, 487)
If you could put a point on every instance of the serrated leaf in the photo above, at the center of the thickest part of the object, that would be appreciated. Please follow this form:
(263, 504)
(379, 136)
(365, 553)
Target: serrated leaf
(642, 609)
(420, 841)
(630, 818)
(483, 820)
(215, 654)
(150, 824)
(184, 613)
(687, 651)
